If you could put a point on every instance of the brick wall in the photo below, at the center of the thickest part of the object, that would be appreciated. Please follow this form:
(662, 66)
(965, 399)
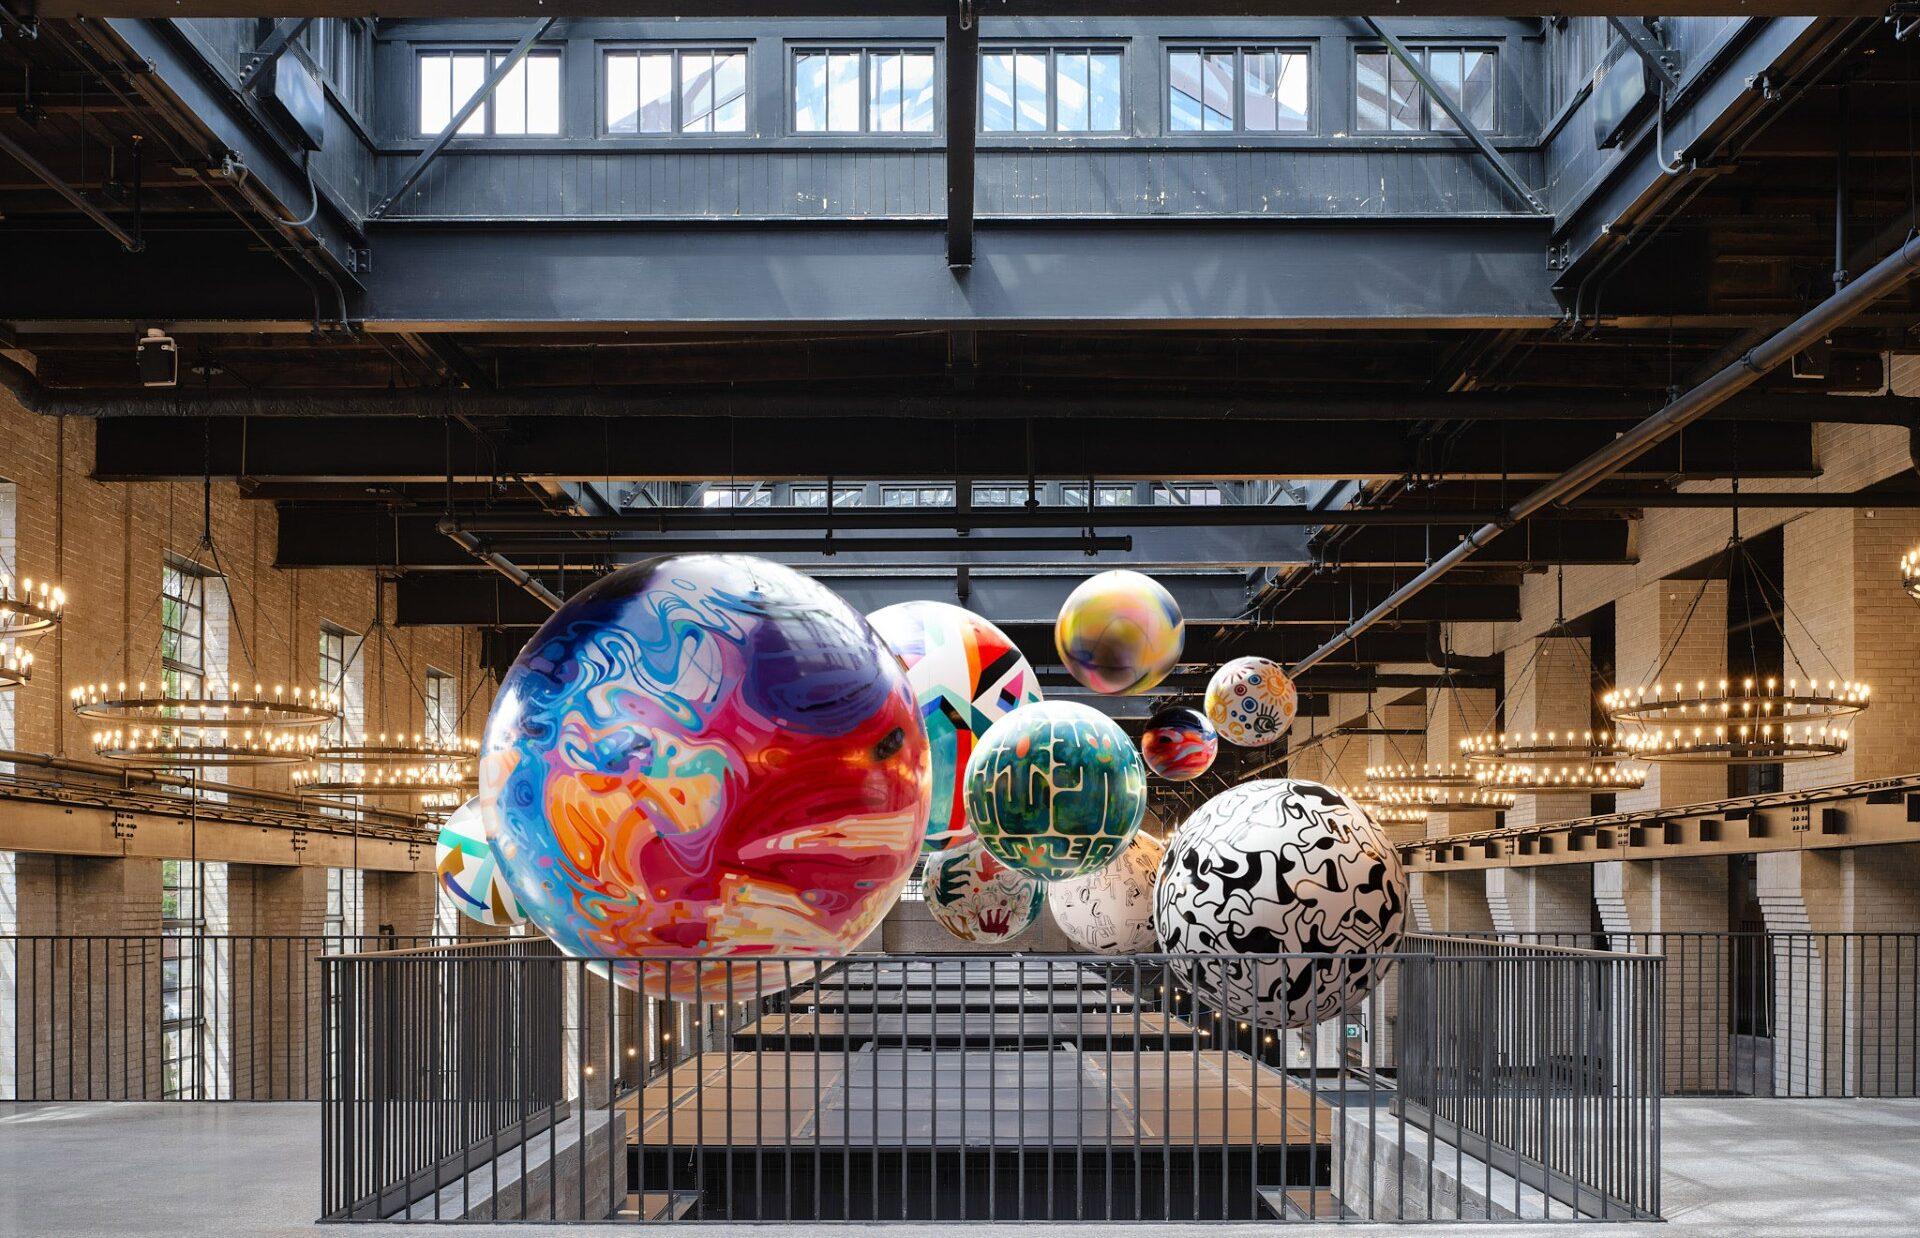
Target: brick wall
(1677, 628)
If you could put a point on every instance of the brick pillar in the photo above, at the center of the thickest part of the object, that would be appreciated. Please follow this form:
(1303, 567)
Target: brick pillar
(278, 913)
(1653, 905)
(1455, 902)
(1549, 688)
(1648, 623)
(1844, 1018)
(400, 902)
(1554, 899)
(89, 1012)
(1850, 618)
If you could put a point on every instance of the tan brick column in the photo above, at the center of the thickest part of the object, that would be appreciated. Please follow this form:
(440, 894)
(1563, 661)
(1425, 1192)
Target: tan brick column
(402, 902)
(1687, 625)
(1455, 902)
(1843, 1016)
(1850, 618)
(1549, 688)
(89, 1013)
(277, 913)
(1654, 905)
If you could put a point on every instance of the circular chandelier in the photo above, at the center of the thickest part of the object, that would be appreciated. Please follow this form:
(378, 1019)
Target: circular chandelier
(156, 708)
(163, 747)
(398, 765)
(1910, 573)
(28, 606)
(1759, 722)
(1435, 787)
(16, 663)
(1572, 761)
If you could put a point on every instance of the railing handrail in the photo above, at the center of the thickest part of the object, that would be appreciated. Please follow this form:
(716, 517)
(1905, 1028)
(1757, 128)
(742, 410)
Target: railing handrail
(1480, 937)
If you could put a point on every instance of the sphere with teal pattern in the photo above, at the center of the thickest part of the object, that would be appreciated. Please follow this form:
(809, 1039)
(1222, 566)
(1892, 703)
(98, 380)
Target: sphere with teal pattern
(1056, 790)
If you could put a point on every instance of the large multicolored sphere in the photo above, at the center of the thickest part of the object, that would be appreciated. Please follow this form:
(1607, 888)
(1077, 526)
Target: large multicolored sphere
(1119, 633)
(977, 898)
(1281, 867)
(706, 757)
(1179, 744)
(1111, 911)
(1251, 702)
(1055, 789)
(966, 675)
(469, 871)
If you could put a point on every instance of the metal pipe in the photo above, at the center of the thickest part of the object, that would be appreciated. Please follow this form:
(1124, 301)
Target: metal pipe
(503, 565)
(1836, 311)
(51, 179)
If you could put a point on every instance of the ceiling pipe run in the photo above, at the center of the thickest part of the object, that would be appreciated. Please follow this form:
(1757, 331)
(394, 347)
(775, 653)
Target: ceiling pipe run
(506, 567)
(1836, 311)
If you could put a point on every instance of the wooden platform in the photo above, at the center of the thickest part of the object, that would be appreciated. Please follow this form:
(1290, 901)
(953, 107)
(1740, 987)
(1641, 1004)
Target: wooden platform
(1096, 1031)
(890, 1095)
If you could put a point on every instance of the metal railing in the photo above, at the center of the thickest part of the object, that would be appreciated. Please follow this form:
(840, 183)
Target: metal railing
(1479, 1081)
(1792, 1015)
(167, 1016)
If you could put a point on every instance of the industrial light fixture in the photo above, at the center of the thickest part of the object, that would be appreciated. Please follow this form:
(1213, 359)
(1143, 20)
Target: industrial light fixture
(1555, 760)
(1760, 720)
(16, 664)
(1434, 787)
(168, 724)
(1910, 573)
(28, 606)
(432, 768)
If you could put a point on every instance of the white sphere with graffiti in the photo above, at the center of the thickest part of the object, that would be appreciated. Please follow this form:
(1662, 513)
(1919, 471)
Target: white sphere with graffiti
(469, 871)
(1111, 911)
(1281, 867)
(977, 898)
(1251, 701)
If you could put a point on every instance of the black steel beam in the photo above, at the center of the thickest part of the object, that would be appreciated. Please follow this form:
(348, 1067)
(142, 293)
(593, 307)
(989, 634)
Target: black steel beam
(688, 9)
(279, 38)
(478, 597)
(73, 197)
(791, 448)
(963, 104)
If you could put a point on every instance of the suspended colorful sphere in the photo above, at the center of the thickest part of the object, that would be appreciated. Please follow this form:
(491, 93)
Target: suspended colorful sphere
(1251, 702)
(1281, 867)
(1119, 633)
(469, 871)
(1179, 744)
(977, 898)
(1111, 911)
(706, 757)
(1055, 789)
(966, 675)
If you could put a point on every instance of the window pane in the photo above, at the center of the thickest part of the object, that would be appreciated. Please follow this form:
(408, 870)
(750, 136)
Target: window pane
(917, 85)
(1070, 92)
(543, 93)
(883, 92)
(1294, 94)
(1183, 92)
(1403, 98)
(730, 92)
(843, 92)
(623, 92)
(1257, 109)
(1480, 105)
(696, 92)
(1217, 92)
(510, 98)
(1370, 92)
(1030, 92)
(1446, 67)
(810, 93)
(656, 93)
(1104, 86)
(436, 93)
(469, 75)
(996, 92)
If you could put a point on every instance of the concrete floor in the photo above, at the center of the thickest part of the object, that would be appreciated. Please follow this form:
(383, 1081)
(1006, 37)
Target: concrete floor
(1746, 1167)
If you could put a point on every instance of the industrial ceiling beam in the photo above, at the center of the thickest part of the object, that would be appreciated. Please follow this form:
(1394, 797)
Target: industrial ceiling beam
(279, 38)
(749, 449)
(689, 9)
(1458, 115)
(963, 104)
(477, 100)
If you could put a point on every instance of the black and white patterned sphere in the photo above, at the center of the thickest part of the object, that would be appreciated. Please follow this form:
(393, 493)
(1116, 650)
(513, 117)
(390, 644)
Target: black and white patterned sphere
(1281, 867)
(1111, 911)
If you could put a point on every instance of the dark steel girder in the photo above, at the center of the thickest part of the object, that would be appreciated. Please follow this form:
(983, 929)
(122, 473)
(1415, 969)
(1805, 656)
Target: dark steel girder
(687, 9)
(796, 448)
(478, 597)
